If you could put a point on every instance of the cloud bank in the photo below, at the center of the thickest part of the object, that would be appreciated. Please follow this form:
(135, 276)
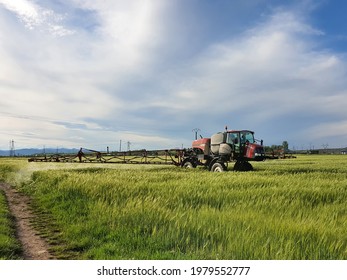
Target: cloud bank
(92, 73)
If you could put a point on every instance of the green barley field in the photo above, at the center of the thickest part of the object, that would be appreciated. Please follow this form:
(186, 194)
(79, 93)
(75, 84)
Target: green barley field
(293, 209)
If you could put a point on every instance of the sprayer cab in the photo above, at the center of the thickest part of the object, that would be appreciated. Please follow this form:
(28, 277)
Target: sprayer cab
(238, 144)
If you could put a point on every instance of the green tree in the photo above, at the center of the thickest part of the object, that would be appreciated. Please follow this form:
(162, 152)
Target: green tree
(285, 146)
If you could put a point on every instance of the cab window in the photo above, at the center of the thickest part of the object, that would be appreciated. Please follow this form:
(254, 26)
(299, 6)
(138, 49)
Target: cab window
(233, 138)
(247, 137)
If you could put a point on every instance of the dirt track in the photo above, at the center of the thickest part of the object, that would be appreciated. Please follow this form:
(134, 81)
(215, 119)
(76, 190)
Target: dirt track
(34, 247)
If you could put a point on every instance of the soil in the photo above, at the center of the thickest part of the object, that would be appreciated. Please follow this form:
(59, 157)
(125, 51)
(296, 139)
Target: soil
(33, 245)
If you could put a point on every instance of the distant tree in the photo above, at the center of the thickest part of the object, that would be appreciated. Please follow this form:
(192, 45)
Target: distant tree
(285, 146)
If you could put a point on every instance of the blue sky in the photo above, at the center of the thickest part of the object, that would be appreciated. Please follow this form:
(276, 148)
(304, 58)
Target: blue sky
(85, 73)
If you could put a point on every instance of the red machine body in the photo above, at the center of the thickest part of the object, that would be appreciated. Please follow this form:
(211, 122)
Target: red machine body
(224, 147)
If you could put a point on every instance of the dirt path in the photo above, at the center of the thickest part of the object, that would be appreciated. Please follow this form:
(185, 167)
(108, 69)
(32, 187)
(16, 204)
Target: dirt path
(34, 247)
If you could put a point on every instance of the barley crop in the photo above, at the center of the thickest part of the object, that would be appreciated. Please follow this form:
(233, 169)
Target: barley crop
(284, 209)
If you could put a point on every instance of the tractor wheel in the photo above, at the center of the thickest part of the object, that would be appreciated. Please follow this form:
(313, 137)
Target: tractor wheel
(218, 167)
(243, 166)
(188, 164)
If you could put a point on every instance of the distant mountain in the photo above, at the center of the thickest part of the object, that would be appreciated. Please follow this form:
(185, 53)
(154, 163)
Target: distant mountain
(30, 152)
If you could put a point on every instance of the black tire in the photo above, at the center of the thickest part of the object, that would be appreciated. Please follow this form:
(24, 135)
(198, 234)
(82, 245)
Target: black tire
(243, 166)
(218, 167)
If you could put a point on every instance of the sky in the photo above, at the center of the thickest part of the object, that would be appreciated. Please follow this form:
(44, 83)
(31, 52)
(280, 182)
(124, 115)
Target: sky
(145, 73)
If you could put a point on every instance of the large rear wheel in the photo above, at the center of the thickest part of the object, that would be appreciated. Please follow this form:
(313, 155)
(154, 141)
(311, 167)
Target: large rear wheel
(241, 165)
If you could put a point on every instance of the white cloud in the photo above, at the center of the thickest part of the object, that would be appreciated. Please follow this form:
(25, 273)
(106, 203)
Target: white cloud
(25, 10)
(42, 71)
(269, 71)
(273, 79)
(36, 17)
(121, 79)
(78, 79)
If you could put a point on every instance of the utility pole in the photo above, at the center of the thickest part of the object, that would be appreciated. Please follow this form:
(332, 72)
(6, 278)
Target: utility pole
(128, 144)
(12, 149)
(120, 145)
